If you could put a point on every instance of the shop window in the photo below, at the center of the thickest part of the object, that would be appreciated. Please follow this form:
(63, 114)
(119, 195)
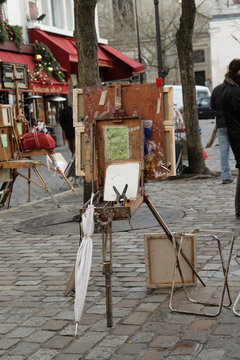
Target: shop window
(123, 15)
(198, 56)
(200, 77)
(59, 13)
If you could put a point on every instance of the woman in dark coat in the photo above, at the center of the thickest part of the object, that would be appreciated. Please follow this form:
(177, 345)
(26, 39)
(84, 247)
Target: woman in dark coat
(231, 110)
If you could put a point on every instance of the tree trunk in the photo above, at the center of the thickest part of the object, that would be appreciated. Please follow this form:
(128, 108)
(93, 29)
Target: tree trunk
(87, 49)
(86, 42)
(184, 47)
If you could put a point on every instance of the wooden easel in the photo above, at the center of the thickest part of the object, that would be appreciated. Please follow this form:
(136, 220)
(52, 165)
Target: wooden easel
(15, 158)
(15, 165)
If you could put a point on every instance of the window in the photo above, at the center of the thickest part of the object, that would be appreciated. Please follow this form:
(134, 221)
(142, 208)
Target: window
(123, 15)
(200, 77)
(198, 56)
(59, 13)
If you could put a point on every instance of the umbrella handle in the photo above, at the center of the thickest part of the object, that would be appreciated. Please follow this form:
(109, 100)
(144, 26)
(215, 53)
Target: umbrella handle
(76, 329)
(91, 199)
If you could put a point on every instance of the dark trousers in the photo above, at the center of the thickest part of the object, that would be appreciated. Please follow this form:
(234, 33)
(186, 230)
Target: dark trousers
(71, 145)
(237, 195)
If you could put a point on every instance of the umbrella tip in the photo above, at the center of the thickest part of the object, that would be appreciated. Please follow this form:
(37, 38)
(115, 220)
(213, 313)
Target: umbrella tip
(76, 329)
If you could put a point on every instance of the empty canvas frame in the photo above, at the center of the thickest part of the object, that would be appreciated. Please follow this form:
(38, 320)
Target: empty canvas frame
(79, 151)
(78, 107)
(160, 260)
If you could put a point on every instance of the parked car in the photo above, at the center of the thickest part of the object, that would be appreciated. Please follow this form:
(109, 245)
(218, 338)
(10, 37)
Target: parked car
(204, 108)
(201, 92)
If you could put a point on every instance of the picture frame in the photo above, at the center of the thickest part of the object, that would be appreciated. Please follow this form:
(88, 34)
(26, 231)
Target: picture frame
(78, 107)
(80, 151)
(160, 260)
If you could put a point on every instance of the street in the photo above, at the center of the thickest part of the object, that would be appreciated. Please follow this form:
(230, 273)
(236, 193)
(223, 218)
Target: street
(37, 320)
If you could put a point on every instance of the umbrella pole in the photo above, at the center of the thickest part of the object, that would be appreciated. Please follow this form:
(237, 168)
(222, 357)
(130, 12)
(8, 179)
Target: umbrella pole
(107, 268)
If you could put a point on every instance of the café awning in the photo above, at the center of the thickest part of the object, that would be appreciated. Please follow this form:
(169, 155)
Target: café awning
(113, 64)
(50, 85)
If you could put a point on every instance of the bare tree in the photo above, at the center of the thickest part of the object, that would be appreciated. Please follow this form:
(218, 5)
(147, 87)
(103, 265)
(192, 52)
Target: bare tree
(185, 52)
(86, 42)
(87, 49)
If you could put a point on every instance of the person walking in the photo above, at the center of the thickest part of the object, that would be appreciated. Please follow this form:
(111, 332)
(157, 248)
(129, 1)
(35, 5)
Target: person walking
(222, 133)
(231, 109)
(66, 122)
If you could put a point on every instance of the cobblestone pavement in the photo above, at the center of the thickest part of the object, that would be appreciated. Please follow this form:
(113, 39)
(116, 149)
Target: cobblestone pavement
(37, 321)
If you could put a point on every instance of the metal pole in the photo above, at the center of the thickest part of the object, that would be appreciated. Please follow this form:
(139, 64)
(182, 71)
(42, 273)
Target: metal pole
(138, 41)
(158, 40)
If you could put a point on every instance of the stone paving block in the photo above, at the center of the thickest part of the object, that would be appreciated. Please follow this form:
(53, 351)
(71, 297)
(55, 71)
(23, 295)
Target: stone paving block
(226, 329)
(200, 336)
(113, 341)
(179, 357)
(232, 350)
(100, 353)
(6, 343)
(5, 328)
(136, 318)
(13, 357)
(187, 348)
(79, 347)
(89, 319)
(65, 315)
(204, 324)
(35, 321)
(68, 357)
(40, 336)
(21, 332)
(147, 307)
(211, 354)
(151, 354)
(164, 341)
(122, 357)
(132, 349)
(58, 342)
(69, 330)
(54, 325)
(24, 348)
(44, 354)
(142, 336)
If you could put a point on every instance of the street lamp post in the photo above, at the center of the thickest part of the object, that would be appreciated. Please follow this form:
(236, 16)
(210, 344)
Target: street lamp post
(138, 40)
(158, 40)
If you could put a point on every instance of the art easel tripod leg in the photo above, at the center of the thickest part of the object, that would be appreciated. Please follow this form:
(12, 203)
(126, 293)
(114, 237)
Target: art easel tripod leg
(107, 268)
(6, 190)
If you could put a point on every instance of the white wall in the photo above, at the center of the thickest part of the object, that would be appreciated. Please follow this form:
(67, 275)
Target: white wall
(16, 14)
(225, 45)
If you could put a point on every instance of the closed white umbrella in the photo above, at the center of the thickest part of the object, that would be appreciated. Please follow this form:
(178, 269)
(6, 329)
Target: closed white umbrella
(83, 262)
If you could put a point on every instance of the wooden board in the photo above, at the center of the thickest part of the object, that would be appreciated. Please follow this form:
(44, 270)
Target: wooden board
(6, 143)
(160, 260)
(168, 106)
(6, 115)
(78, 107)
(169, 134)
(117, 140)
(80, 151)
(144, 101)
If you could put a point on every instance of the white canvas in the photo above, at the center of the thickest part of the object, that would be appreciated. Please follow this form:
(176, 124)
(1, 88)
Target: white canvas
(119, 175)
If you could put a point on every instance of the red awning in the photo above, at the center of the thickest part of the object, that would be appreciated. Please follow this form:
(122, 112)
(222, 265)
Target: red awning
(50, 86)
(114, 64)
(17, 58)
(137, 67)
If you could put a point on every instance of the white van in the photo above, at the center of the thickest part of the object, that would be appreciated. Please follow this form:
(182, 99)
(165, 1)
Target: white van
(201, 92)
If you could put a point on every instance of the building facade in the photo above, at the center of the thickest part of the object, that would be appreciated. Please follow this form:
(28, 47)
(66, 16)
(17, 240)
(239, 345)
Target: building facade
(46, 54)
(130, 23)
